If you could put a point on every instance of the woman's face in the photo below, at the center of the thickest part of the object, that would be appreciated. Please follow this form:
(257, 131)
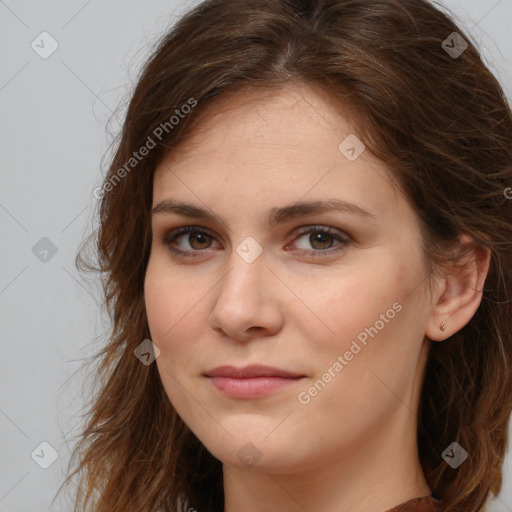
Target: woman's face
(261, 283)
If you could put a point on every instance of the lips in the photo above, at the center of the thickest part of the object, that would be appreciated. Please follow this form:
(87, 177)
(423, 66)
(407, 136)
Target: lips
(253, 381)
(251, 371)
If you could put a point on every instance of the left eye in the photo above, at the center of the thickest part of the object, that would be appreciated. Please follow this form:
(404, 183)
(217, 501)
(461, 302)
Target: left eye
(321, 239)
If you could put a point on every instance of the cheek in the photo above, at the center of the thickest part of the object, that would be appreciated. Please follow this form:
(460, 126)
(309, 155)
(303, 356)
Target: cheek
(168, 300)
(177, 316)
(164, 307)
(158, 302)
(379, 327)
(336, 309)
(168, 312)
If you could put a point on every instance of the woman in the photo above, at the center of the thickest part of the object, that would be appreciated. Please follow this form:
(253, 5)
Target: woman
(305, 235)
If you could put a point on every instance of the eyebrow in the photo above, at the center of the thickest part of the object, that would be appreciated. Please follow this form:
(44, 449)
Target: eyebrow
(275, 216)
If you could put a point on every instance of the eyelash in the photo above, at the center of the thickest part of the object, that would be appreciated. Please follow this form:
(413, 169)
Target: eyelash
(172, 235)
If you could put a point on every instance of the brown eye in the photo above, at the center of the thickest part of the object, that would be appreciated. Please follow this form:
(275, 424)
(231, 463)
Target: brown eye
(321, 240)
(199, 240)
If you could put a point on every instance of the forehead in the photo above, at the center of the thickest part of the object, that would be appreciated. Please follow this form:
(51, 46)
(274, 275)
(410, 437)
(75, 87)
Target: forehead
(289, 117)
(285, 143)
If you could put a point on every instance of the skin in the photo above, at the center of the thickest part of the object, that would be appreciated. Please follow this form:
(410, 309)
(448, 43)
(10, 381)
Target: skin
(353, 445)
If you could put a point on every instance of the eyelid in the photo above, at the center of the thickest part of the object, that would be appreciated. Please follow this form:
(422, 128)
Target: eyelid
(329, 230)
(342, 237)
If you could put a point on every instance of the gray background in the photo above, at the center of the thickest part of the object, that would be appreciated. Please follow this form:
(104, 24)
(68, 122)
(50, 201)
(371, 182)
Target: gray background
(58, 116)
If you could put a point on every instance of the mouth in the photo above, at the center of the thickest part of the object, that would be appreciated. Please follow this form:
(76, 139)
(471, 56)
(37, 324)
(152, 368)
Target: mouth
(251, 381)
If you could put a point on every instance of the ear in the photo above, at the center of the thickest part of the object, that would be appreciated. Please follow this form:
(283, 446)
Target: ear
(458, 293)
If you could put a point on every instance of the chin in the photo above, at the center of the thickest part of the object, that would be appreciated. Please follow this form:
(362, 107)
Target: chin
(255, 451)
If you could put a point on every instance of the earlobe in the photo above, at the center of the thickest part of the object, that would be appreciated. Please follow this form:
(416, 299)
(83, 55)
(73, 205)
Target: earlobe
(460, 292)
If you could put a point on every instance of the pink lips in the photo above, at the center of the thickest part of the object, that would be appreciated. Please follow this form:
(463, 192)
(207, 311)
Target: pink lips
(251, 381)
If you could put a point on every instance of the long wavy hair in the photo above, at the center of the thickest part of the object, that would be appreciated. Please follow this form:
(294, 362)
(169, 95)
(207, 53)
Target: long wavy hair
(438, 119)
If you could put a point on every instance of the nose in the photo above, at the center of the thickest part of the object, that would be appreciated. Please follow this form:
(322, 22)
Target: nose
(247, 304)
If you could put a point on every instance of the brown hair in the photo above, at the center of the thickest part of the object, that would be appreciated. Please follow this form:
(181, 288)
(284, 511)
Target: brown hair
(442, 124)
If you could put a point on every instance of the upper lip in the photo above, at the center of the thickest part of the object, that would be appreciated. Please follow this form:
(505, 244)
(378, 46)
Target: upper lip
(253, 370)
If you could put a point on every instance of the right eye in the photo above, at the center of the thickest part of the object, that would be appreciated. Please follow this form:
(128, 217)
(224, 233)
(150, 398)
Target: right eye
(198, 239)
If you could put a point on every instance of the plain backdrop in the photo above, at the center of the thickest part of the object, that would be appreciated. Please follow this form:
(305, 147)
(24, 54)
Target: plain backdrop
(58, 117)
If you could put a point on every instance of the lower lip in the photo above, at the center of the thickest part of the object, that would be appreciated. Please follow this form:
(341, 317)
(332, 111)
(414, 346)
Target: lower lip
(252, 387)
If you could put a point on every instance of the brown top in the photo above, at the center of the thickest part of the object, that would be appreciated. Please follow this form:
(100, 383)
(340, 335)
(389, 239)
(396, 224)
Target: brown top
(423, 504)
